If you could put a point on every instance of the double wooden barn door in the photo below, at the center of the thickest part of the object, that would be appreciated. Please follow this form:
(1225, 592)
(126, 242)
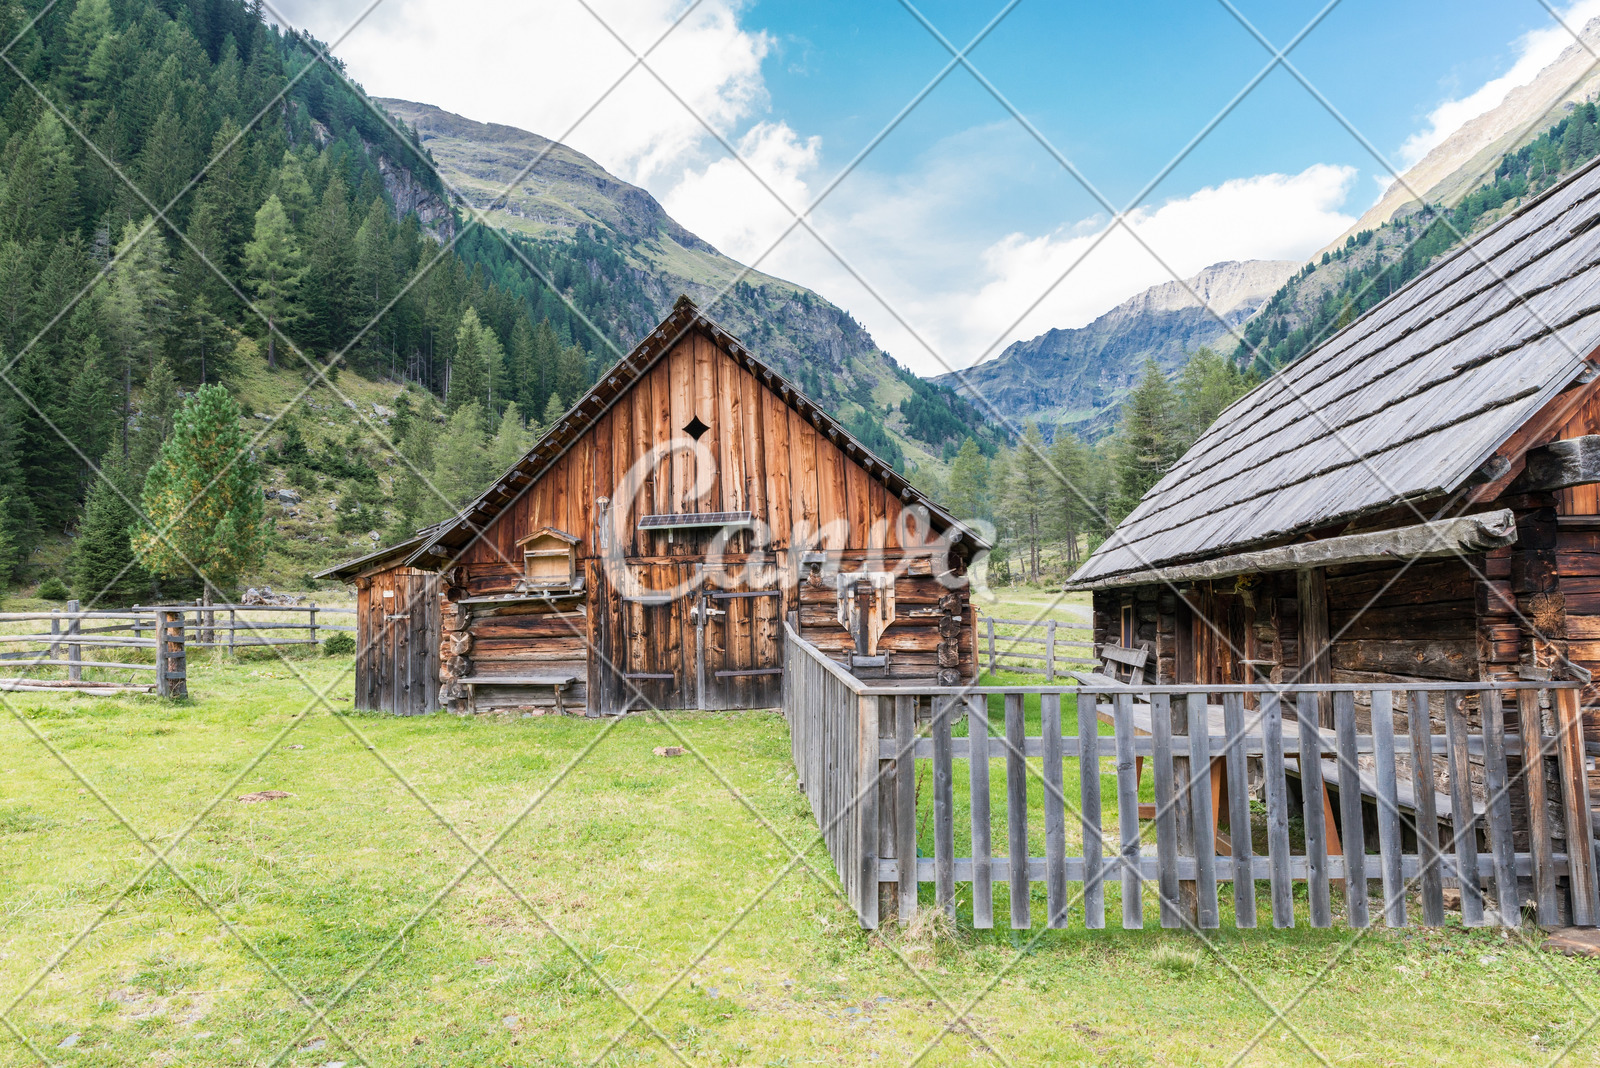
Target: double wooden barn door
(674, 638)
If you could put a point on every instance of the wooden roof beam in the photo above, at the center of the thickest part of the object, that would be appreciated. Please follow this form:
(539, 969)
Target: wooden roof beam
(1559, 465)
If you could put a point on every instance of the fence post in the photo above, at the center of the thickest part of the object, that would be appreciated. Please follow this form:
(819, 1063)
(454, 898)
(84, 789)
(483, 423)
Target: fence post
(55, 632)
(233, 628)
(163, 689)
(1050, 651)
(74, 651)
(313, 623)
(866, 810)
(990, 621)
(171, 660)
(1575, 797)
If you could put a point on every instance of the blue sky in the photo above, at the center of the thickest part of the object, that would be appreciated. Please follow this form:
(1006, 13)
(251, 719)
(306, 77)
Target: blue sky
(945, 237)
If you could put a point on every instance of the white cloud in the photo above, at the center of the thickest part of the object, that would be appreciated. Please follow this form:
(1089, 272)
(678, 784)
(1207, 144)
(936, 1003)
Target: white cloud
(1534, 50)
(941, 289)
(1271, 216)
(540, 65)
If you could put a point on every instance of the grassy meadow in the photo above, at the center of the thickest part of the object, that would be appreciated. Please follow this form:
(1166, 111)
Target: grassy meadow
(631, 879)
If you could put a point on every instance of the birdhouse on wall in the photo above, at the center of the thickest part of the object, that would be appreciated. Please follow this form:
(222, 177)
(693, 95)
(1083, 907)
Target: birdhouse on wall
(865, 607)
(549, 559)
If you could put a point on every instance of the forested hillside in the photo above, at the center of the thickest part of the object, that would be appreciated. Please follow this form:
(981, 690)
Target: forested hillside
(1327, 294)
(190, 196)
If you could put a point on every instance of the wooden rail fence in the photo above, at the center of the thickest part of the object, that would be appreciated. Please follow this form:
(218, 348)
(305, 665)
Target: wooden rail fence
(108, 630)
(205, 624)
(857, 749)
(1058, 651)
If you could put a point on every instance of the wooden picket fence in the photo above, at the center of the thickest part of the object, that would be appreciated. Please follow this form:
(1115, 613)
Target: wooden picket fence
(1035, 647)
(858, 749)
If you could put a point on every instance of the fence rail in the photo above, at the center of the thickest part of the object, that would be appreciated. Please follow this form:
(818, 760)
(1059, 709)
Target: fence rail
(1455, 821)
(1061, 652)
(206, 624)
(169, 665)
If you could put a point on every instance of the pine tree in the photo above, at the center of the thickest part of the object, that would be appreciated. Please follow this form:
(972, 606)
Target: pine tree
(1208, 383)
(1026, 495)
(969, 493)
(201, 339)
(273, 267)
(202, 498)
(461, 463)
(103, 567)
(511, 442)
(140, 304)
(469, 367)
(1147, 444)
(1072, 481)
(329, 296)
(553, 411)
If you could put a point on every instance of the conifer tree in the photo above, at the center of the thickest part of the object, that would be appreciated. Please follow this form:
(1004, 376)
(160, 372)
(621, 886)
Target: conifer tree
(1075, 507)
(1146, 444)
(202, 498)
(140, 304)
(1026, 495)
(969, 492)
(273, 265)
(511, 442)
(553, 411)
(461, 464)
(104, 570)
(469, 368)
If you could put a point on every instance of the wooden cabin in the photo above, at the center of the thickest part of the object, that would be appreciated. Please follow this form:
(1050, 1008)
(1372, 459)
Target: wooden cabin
(646, 550)
(1417, 498)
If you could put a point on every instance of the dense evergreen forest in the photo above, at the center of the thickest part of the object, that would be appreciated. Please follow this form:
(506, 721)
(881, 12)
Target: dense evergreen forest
(1375, 263)
(185, 187)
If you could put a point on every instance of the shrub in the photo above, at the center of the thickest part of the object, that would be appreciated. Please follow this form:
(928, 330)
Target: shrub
(53, 589)
(339, 645)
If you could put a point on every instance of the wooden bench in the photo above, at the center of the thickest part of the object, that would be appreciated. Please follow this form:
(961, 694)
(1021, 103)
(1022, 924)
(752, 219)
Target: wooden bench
(1118, 667)
(558, 683)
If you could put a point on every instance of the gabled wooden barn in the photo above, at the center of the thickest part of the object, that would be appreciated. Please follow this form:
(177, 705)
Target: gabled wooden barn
(646, 549)
(1417, 498)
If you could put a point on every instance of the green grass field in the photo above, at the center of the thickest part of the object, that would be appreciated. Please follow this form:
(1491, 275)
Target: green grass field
(665, 883)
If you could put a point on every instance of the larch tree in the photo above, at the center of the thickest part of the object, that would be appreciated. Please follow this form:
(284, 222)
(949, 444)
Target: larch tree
(1027, 493)
(202, 498)
(272, 264)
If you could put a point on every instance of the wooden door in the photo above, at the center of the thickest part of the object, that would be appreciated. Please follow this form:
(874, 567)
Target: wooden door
(397, 665)
(741, 660)
(657, 661)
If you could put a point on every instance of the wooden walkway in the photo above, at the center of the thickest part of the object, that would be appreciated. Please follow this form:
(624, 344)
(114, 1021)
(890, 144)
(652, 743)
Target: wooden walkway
(857, 748)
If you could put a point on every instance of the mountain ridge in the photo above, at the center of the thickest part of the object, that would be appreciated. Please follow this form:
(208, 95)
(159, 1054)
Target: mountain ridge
(1075, 377)
(567, 196)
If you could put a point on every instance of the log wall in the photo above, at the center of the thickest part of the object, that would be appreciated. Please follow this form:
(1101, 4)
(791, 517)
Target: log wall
(759, 455)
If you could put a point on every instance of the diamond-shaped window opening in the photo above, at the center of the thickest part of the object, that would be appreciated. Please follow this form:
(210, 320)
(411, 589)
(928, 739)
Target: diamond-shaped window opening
(695, 428)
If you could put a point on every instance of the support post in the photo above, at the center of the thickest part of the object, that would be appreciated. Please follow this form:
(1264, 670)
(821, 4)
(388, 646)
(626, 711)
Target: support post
(55, 632)
(233, 628)
(172, 661)
(163, 689)
(74, 650)
(313, 623)
(991, 644)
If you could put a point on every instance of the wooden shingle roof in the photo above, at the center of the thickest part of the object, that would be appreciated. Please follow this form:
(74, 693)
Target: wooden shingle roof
(1404, 404)
(450, 538)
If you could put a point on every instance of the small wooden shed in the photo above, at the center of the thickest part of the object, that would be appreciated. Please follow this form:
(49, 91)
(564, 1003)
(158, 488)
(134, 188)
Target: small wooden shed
(1417, 498)
(397, 630)
(646, 549)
